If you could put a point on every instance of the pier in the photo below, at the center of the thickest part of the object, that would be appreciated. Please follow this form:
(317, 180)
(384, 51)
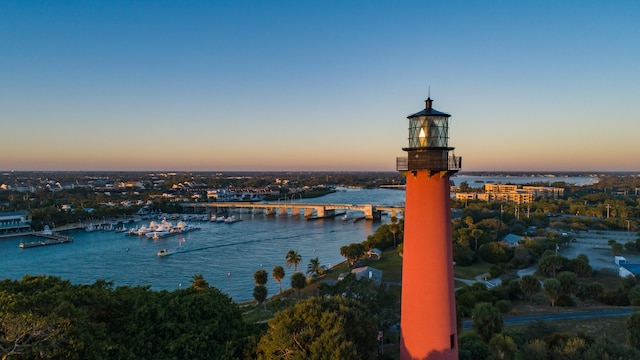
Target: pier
(309, 211)
(49, 239)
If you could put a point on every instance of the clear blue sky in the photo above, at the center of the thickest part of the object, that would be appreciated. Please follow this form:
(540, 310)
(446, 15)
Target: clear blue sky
(316, 85)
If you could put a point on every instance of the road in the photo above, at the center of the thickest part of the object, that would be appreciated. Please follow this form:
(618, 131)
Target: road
(571, 315)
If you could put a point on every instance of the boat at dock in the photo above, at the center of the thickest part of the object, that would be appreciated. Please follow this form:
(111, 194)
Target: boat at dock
(162, 229)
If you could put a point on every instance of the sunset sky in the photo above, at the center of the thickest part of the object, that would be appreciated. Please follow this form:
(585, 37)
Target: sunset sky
(317, 85)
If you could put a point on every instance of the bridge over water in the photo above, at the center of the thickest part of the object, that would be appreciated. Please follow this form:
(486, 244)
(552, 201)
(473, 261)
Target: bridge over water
(315, 211)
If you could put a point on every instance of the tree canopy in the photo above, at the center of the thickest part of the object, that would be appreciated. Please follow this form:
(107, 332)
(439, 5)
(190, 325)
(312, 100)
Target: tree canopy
(321, 328)
(99, 321)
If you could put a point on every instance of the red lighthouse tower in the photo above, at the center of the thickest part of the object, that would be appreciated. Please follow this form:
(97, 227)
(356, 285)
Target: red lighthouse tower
(428, 314)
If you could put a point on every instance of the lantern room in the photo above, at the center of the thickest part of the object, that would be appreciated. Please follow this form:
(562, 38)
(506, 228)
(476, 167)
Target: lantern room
(428, 129)
(429, 142)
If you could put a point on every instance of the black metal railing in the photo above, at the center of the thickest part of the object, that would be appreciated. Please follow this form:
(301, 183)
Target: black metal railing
(452, 163)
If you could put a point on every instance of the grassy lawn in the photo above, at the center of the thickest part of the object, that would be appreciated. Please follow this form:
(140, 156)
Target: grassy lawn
(471, 271)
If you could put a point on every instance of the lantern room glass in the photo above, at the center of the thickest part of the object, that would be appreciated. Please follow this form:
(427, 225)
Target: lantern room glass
(429, 132)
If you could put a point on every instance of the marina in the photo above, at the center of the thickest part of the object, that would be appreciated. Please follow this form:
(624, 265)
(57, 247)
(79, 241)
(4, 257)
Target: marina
(227, 255)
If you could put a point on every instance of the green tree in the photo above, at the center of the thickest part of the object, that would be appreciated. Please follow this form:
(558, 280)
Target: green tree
(536, 349)
(568, 282)
(278, 275)
(314, 267)
(548, 265)
(98, 321)
(472, 347)
(476, 234)
(634, 295)
(617, 248)
(605, 348)
(260, 277)
(381, 300)
(553, 289)
(487, 320)
(321, 328)
(592, 290)
(633, 329)
(198, 282)
(503, 347)
(581, 267)
(260, 294)
(393, 228)
(493, 253)
(462, 255)
(529, 285)
(298, 281)
(22, 335)
(352, 252)
(293, 259)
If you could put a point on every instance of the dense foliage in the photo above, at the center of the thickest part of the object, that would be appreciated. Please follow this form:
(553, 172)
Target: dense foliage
(46, 317)
(321, 328)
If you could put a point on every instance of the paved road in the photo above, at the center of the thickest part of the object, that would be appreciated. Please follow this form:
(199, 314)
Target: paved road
(572, 315)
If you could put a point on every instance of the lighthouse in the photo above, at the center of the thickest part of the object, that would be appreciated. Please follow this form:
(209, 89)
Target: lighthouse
(428, 310)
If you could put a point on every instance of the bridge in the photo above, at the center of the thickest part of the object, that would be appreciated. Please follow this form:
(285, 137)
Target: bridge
(310, 211)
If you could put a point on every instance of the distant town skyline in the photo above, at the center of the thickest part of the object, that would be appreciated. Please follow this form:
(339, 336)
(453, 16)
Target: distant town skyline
(325, 86)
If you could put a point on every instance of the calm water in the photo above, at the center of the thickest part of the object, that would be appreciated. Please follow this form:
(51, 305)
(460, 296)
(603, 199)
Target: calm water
(226, 255)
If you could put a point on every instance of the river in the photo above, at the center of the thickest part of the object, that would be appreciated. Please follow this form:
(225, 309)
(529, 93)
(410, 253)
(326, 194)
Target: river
(227, 255)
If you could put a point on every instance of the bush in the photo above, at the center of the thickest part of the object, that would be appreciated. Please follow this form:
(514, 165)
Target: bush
(504, 306)
(495, 271)
(463, 256)
(565, 301)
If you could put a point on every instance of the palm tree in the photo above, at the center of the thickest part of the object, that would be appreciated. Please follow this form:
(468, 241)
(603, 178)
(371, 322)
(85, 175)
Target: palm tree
(298, 281)
(293, 258)
(198, 282)
(393, 228)
(260, 277)
(260, 294)
(476, 234)
(314, 267)
(278, 275)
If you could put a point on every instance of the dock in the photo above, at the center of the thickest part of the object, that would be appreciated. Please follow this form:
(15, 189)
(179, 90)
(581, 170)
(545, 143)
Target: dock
(49, 239)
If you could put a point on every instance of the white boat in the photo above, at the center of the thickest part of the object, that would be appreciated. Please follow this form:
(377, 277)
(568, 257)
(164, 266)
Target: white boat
(46, 231)
(155, 235)
(220, 218)
(165, 252)
(345, 217)
(231, 219)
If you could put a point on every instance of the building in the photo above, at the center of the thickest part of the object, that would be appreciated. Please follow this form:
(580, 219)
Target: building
(512, 193)
(428, 328)
(14, 222)
(368, 272)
